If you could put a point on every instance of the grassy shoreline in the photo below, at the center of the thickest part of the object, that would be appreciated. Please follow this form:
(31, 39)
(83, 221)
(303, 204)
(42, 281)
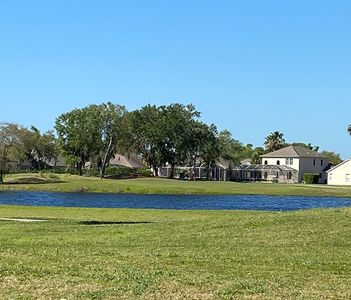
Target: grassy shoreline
(85, 253)
(72, 183)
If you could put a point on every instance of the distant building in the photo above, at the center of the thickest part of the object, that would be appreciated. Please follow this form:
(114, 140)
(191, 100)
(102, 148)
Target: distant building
(301, 159)
(221, 171)
(340, 174)
(246, 162)
(132, 160)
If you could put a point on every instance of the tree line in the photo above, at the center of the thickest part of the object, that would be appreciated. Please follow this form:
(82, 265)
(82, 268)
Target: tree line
(168, 134)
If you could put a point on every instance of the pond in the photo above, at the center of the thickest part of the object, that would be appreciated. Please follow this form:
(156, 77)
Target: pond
(184, 202)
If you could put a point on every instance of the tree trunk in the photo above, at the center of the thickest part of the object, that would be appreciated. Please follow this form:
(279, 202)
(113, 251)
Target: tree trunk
(1, 176)
(155, 168)
(171, 176)
(104, 161)
(208, 172)
(79, 168)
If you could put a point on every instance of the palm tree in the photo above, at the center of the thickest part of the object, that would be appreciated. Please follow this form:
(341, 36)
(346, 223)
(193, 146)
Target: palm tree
(274, 141)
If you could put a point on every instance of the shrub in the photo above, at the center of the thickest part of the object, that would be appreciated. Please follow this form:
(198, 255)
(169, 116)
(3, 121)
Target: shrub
(145, 172)
(311, 178)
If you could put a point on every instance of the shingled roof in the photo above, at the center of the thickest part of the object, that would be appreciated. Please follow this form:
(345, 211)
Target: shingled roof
(293, 151)
(131, 161)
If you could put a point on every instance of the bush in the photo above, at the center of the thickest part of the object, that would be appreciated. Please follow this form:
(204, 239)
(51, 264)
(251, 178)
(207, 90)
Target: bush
(145, 172)
(311, 178)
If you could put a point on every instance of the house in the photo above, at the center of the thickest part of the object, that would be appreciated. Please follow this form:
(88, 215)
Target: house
(132, 161)
(340, 174)
(221, 171)
(246, 162)
(257, 172)
(298, 158)
(59, 162)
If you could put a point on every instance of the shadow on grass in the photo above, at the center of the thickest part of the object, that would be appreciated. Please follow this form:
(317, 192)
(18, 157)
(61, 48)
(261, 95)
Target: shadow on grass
(33, 180)
(113, 222)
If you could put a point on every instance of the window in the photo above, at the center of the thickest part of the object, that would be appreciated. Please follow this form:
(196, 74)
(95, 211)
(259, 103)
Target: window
(289, 175)
(347, 179)
(278, 162)
(265, 175)
(314, 161)
(289, 161)
(321, 162)
(266, 162)
(330, 176)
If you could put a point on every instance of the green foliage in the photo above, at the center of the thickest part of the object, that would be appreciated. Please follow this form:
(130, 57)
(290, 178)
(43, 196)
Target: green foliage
(145, 172)
(172, 134)
(274, 141)
(311, 178)
(19, 144)
(230, 148)
(91, 134)
(146, 134)
(333, 158)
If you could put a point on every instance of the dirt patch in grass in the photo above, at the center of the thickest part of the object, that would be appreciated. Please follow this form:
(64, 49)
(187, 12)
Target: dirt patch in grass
(176, 290)
(48, 288)
(114, 222)
(33, 180)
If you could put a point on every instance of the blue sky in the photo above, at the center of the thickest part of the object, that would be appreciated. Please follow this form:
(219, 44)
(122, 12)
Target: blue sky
(252, 67)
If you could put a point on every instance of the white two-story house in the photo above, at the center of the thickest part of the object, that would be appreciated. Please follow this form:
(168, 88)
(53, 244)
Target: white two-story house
(300, 159)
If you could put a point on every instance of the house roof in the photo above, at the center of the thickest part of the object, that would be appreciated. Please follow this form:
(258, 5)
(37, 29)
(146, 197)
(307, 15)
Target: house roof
(247, 161)
(224, 163)
(293, 151)
(132, 161)
(59, 162)
(255, 167)
(337, 166)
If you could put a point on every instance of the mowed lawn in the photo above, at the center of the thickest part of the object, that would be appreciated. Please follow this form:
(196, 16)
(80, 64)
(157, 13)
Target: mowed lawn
(72, 183)
(82, 253)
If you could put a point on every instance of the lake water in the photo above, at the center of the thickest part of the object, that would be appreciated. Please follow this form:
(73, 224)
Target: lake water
(185, 202)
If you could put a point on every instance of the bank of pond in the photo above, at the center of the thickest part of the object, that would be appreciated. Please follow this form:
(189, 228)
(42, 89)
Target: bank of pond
(177, 202)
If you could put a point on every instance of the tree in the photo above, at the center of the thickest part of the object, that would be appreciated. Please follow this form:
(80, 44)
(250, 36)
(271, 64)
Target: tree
(111, 128)
(172, 135)
(36, 148)
(334, 158)
(256, 155)
(274, 141)
(8, 141)
(177, 122)
(230, 148)
(75, 136)
(146, 135)
(209, 147)
(90, 134)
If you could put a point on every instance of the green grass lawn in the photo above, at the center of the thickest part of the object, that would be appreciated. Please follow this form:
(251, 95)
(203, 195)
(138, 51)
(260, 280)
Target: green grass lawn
(83, 253)
(72, 183)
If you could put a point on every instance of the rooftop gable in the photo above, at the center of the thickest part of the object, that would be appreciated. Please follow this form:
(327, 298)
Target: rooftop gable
(293, 151)
(337, 166)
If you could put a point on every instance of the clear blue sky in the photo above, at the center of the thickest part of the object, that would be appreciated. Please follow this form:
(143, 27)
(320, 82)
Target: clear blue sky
(252, 67)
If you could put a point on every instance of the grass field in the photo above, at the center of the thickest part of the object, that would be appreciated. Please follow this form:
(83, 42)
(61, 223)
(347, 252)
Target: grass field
(71, 183)
(148, 254)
